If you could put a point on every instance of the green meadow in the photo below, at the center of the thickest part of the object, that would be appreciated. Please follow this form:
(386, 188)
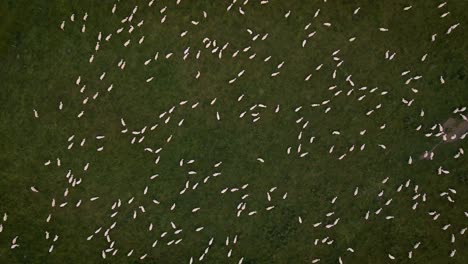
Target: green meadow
(345, 132)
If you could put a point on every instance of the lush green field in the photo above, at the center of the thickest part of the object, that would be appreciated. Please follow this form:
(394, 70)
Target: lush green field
(40, 65)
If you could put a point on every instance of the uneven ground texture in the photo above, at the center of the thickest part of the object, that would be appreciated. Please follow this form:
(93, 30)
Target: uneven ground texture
(233, 132)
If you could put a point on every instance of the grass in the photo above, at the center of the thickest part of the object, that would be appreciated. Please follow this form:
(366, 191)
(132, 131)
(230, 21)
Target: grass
(40, 64)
